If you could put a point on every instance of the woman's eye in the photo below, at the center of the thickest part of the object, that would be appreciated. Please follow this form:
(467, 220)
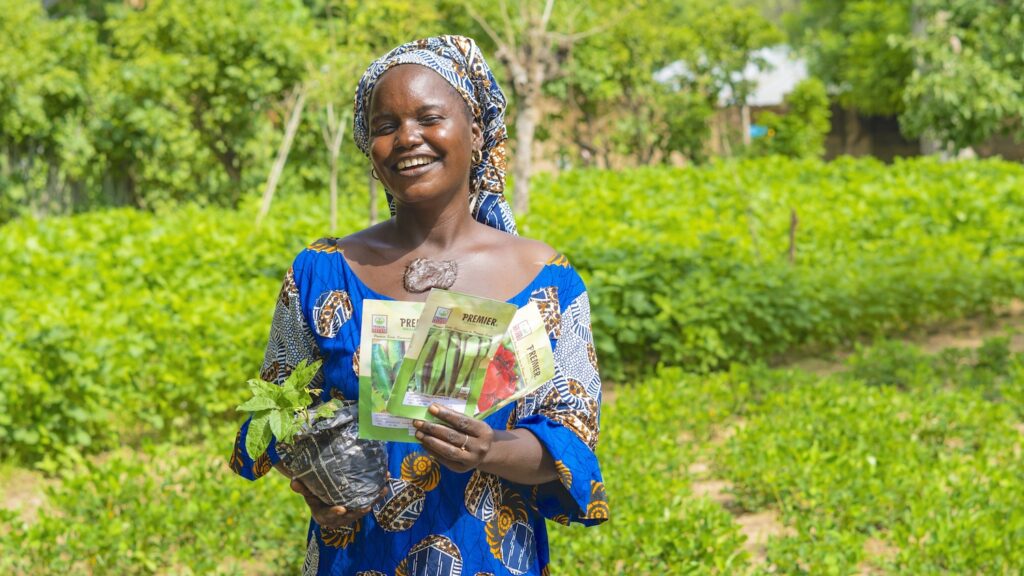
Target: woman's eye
(432, 119)
(382, 129)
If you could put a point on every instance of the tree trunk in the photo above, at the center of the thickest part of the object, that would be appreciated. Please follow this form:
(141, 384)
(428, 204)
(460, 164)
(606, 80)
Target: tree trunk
(526, 124)
(745, 121)
(334, 192)
(930, 145)
(282, 155)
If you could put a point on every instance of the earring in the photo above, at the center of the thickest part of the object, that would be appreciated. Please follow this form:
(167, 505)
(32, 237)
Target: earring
(373, 174)
(477, 157)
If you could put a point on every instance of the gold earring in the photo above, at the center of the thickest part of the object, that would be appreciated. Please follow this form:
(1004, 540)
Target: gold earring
(373, 174)
(477, 157)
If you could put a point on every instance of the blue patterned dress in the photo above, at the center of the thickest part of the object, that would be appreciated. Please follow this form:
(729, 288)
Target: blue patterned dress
(433, 521)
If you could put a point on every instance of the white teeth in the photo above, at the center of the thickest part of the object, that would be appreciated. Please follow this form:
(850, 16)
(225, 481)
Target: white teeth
(418, 161)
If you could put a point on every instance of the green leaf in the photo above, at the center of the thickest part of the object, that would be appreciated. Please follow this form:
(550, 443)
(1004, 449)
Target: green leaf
(302, 375)
(327, 410)
(257, 403)
(292, 399)
(258, 436)
(278, 422)
(261, 387)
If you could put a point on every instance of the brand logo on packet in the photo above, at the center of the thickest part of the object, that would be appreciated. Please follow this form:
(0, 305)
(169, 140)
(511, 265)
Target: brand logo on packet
(441, 315)
(379, 324)
(520, 330)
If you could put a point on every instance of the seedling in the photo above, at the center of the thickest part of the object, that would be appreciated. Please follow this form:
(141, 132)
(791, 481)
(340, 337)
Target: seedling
(283, 410)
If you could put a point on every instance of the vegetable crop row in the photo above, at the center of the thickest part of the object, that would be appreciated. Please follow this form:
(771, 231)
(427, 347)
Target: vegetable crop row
(120, 325)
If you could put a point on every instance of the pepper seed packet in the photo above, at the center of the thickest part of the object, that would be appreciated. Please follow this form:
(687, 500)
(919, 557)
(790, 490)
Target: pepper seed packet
(387, 328)
(446, 361)
(524, 361)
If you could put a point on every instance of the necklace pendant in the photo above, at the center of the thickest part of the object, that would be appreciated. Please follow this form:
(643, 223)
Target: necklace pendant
(423, 274)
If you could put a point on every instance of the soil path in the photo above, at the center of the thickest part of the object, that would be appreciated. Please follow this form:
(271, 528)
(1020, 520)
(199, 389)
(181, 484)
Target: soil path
(758, 526)
(23, 491)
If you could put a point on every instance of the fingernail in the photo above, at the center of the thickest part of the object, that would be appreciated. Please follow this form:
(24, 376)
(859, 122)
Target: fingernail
(419, 435)
(434, 409)
(417, 423)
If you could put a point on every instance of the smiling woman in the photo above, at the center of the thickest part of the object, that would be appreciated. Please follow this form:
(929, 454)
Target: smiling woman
(471, 496)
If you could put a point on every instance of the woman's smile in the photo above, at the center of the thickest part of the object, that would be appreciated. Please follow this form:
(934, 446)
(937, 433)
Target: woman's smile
(416, 165)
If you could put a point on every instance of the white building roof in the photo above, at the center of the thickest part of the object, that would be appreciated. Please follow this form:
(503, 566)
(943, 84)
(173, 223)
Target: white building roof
(782, 72)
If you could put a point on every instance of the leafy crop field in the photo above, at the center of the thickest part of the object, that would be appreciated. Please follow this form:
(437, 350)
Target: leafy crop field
(131, 335)
(902, 464)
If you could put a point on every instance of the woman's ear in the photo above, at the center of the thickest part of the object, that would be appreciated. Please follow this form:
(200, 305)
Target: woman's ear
(478, 136)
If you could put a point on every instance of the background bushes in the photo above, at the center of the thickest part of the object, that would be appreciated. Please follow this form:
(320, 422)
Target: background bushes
(159, 317)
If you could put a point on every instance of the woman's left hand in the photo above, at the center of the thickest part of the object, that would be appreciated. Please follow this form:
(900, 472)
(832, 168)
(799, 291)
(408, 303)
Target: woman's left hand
(462, 444)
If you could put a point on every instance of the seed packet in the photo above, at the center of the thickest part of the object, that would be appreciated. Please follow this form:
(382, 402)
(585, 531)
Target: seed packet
(387, 328)
(456, 338)
(523, 362)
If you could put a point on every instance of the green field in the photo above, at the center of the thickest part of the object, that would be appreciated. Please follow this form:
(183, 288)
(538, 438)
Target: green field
(132, 334)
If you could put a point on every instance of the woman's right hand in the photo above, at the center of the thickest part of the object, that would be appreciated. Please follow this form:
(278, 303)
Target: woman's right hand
(327, 516)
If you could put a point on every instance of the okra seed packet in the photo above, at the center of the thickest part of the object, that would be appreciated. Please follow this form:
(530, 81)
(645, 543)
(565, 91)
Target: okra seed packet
(446, 361)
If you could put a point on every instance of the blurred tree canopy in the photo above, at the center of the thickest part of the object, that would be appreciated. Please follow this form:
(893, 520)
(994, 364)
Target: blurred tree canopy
(152, 102)
(968, 84)
(951, 70)
(847, 45)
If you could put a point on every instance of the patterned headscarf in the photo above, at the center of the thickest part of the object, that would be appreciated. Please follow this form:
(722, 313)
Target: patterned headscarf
(459, 61)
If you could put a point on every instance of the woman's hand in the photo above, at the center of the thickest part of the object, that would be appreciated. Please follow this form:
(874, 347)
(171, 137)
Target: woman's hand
(327, 516)
(461, 445)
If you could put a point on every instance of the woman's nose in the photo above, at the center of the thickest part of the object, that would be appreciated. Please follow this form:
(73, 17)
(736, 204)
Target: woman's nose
(408, 134)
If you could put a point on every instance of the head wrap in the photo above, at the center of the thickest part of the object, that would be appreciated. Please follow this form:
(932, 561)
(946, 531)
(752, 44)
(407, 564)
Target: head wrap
(459, 61)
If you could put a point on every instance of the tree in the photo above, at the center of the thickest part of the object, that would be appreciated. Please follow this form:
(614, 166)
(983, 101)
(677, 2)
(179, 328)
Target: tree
(532, 41)
(648, 86)
(801, 131)
(848, 45)
(196, 80)
(969, 82)
(50, 75)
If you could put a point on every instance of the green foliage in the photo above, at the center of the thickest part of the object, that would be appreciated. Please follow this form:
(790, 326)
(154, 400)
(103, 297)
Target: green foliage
(950, 69)
(141, 323)
(801, 132)
(702, 254)
(847, 44)
(45, 99)
(928, 466)
(656, 525)
(155, 316)
(164, 509)
(967, 86)
(195, 84)
(283, 410)
(144, 107)
(649, 86)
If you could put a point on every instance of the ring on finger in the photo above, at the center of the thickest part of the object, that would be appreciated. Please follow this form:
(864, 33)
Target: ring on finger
(464, 442)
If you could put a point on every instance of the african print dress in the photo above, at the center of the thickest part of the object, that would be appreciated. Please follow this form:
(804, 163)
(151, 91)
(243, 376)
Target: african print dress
(434, 521)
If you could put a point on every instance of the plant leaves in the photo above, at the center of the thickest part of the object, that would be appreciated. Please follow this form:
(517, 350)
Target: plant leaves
(278, 425)
(258, 436)
(260, 387)
(257, 403)
(327, 410)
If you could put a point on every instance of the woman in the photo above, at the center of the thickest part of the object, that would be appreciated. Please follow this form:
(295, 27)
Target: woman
(470, 497)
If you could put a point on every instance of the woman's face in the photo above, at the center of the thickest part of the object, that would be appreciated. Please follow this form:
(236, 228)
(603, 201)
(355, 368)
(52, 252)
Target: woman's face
(421, 135)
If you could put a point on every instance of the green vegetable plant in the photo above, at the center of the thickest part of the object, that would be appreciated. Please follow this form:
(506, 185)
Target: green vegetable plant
(283, 410)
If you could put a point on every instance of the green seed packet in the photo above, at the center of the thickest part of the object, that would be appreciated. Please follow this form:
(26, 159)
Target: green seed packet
(523, 363)
(387, 328)
(446, 362)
